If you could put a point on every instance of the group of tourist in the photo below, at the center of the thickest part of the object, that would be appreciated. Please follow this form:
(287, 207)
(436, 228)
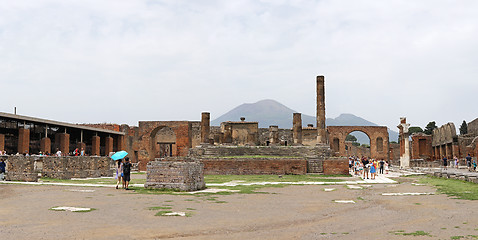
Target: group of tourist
(470, 163)
(364, 166)
(123, 172)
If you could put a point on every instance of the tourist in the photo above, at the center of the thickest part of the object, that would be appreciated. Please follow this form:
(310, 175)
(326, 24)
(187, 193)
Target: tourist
(2, 168)
(82, 152)
(119, 172)
(386, 167)
(382, 163)
(456, 161)
(126, 173)
(445, 162)
(350, 164)
(76, 152)
(58, 152)
(468, 162)
(373, 170)
(366, 166)
(474, 165)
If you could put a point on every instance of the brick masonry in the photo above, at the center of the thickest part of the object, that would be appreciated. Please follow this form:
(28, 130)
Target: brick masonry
(23, 140)
(244, 166)
(179, 175)
(2, 142)
(336, 166)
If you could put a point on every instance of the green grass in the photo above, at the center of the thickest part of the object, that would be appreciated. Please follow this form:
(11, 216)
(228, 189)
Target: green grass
(360, 198)
(417, 203)
(457, 237)
(162, 213)
(272, 178)
(257, 156)
(453, 187)
(416, 233)
(159, 208)
(191, 209)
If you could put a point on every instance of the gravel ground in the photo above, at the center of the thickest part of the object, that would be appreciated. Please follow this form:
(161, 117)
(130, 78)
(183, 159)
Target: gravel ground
(293, 212)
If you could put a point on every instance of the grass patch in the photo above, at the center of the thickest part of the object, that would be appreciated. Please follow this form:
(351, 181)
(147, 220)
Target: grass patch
(272, 178)
(169, 201)
(191, 209)
(168, 205)
(416, 233)
(162, 213)
(457, 226)
(345, 233)
(360, 198)
(220, 202)
(453, 187)
(473, 236)
(417, 203)
(258, 156)
(188, 200)
(457, 237)
(159, 208)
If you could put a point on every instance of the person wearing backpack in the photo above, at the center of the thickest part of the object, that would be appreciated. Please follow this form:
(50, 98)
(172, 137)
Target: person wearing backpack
(126, 173)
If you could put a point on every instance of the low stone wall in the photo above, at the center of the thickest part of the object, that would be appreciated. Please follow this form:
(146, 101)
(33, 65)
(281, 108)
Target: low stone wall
(254, 166)
(470, 177)
(20, 168)
(291, 151)
(338, 165)
(23, 168)
(179, 175)
(315, 166)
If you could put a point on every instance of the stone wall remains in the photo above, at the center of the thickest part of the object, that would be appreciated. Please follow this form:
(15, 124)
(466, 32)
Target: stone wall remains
(26, 168)
(179, 175)
(339, 165)
(254, 166)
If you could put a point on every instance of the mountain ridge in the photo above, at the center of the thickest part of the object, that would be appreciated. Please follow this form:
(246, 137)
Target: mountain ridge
(271, 112)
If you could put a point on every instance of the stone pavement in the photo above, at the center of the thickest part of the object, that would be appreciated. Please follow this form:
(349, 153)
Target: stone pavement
(453, 173)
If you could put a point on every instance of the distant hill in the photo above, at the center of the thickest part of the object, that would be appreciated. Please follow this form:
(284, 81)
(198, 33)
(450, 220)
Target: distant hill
(270, 112)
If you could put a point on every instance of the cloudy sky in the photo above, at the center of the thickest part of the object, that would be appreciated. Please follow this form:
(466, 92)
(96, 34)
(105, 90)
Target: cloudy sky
(125, 61)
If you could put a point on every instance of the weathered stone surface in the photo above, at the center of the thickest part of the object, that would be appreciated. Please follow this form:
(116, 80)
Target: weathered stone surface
(179, 175)
(256, 166)
(337, 165)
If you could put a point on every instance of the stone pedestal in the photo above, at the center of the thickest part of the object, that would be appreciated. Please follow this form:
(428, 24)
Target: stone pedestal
(179, 175)
(23, 140)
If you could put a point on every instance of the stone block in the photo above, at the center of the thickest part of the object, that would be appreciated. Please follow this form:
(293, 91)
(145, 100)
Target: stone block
(183, 176)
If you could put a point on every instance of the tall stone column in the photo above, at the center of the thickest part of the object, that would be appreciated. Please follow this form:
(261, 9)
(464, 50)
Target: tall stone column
(2, 142)
(65, 143)
(95, 146)
(108, 145)
(404, 143)
(205, 127)
(321, 133)
(45, 145)
(297, 128)
(23, 140)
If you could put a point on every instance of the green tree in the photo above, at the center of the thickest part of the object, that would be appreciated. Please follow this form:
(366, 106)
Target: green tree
(351, 138)
(429, 128)
(463, 128)
(413, 130)
(357, 144)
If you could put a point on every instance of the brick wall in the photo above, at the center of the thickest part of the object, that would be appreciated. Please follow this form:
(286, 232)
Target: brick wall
(244, 166)
(180, 175)
(336, 166)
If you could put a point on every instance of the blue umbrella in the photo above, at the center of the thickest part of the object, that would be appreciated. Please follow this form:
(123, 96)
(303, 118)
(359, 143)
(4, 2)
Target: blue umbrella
(119, 155)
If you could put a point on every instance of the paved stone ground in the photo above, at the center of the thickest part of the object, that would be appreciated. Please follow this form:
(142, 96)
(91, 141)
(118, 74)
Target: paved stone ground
(293, 212)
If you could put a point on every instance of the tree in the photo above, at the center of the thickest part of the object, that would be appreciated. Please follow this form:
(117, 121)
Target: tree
(351, 138)
(429, 128)
(413, 130)
(463, 128)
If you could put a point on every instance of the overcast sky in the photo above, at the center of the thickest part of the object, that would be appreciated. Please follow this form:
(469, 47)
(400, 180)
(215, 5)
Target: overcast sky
(126, 61)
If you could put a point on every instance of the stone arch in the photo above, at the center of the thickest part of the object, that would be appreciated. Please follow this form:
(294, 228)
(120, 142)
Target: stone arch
(374, 133)
(163, 142)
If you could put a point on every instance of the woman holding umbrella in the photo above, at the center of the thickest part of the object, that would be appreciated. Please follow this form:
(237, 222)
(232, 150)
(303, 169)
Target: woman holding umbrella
(119, 172)
(119, 165)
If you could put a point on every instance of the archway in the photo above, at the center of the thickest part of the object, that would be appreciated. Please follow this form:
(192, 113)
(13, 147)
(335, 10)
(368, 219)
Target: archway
(357, 143)
(377, 138)
(163, 142)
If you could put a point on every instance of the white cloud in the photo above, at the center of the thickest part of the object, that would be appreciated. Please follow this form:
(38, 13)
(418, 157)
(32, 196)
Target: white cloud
(88, 61)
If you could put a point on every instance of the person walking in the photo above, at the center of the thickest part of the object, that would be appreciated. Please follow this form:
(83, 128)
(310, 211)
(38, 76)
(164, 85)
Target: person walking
(366, 166)
(456, 161)
(119, 172)
(373, 169)
(2, 168)
(382, 163)
(126, 173)
(468, 162)
(445, 162)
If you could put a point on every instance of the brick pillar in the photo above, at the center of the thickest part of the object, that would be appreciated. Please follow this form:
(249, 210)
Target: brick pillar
(205, 127)
(64, 143)
(95, 146)
(2, 142)
(45, 145)
(23, 140)
(120, 143)
(456, 150)
(297, 128)
(321, 132)
(108, 145)
(81, 146)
